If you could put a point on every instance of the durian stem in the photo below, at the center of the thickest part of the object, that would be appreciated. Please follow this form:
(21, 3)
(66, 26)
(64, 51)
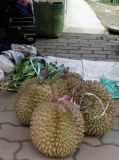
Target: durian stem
(43, 73)
(66, 71)
(54, 91)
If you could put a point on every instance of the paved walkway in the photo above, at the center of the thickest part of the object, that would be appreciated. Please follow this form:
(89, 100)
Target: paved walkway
(82, 46)
(15, 140)
(80, 18)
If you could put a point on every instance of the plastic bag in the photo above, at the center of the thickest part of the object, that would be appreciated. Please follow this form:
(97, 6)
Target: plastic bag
(13, 56)
(110, 80)
(1, 75)
(111, 86)
(113, 74)
(5, 64)
(27, 50)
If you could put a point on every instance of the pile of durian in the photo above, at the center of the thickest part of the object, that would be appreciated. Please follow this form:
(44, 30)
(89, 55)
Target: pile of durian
(62, 110)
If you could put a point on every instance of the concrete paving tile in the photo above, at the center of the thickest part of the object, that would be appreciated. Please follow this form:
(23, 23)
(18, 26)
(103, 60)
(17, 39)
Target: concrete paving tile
(13, 133)
(94, 141)
(115, 125)
(9, 117)
(98, 153)
(7, 150)
(111, 137)
(29, 152)
(6, 100)
(117, 106)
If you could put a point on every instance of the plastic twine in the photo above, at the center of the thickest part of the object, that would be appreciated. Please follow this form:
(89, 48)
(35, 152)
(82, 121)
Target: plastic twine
(38, 69)
(102, 105)
(69, 98)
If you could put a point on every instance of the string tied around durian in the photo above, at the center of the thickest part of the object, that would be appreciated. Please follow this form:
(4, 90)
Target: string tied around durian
(102, 106)
(38, 69)
(65, 98)
(69, 98)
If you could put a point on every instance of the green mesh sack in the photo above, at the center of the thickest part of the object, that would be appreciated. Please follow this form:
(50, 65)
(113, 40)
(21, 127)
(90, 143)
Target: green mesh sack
(49, 18)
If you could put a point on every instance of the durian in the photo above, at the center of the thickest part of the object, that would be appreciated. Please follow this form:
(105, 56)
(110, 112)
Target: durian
(28, 83)
(30, 93)
(67, 82)
(97, 119)
(56, 129)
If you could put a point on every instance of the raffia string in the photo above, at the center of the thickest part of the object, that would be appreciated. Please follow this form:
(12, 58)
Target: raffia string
(69, 98)
(102, 105)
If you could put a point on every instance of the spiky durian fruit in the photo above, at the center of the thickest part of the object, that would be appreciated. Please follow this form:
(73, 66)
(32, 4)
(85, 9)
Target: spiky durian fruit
(98, 119)
(28, 97)
(28, 83)
(56, 128)
(67, 82)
